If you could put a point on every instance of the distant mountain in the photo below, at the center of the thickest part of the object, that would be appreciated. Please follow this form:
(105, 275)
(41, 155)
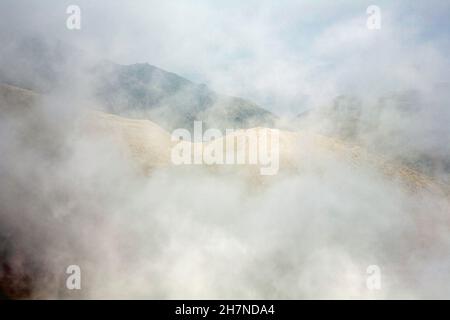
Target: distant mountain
(396, 124)
(143, 90)
(149, 144)
(137, 91)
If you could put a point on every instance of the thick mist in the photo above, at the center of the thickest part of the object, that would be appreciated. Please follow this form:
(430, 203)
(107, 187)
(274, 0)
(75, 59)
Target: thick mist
(71, 197)
(71, 194)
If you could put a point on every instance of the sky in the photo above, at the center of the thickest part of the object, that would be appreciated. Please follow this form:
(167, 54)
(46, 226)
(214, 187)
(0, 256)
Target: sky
(287, 56)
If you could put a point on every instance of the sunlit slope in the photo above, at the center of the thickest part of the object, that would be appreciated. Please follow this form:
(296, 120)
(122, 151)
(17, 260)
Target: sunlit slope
(299, 151)
(16, 99)
(302, 151)
(147, 143)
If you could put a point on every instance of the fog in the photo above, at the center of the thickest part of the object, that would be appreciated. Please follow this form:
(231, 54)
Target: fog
(70, 195)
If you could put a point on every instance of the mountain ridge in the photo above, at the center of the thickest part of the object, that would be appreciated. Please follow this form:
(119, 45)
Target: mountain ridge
(138, 90)
(149, 145)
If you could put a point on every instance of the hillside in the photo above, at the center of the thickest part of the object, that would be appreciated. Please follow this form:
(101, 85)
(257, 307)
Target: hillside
(145, 91)
(140, 91)
(150, 145)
